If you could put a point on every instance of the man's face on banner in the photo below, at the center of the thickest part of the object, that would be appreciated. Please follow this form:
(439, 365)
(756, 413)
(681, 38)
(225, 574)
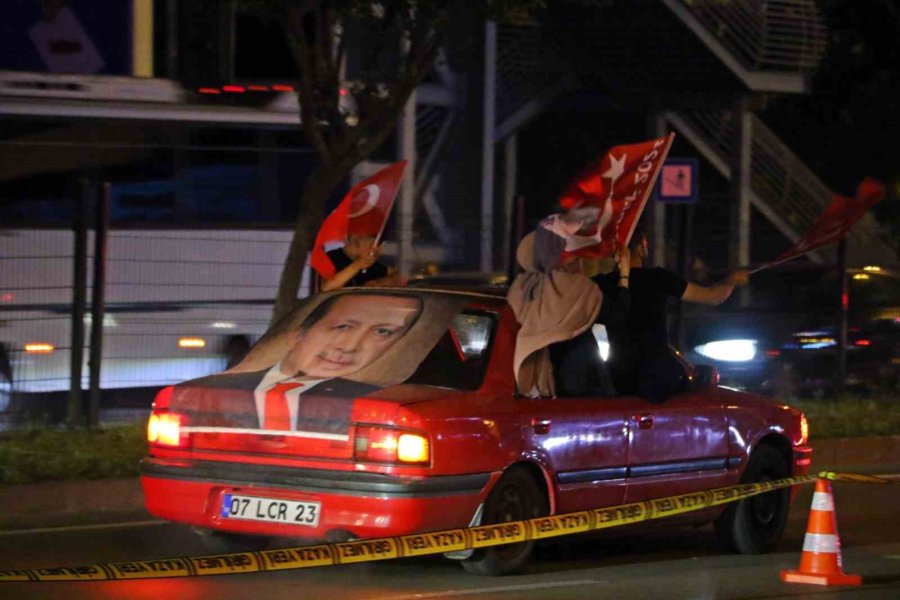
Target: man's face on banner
(355, 330)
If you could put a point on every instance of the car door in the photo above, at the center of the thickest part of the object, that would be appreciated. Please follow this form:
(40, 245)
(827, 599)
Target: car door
(676, 446)
(584, 444)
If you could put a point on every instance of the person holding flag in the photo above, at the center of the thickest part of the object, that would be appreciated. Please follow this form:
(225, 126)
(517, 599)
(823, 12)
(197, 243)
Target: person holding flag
(556, 306)
(357, 264)
(608, 198)
(346, 250)
(640, 359)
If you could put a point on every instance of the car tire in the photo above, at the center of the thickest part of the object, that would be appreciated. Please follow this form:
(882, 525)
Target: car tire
(517, 496)
(754, 525)
(220, 542)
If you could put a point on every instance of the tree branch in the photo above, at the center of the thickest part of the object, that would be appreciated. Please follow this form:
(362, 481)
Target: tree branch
(306, 94)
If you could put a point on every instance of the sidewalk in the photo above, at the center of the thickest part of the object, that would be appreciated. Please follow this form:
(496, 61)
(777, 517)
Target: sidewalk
(61, 503)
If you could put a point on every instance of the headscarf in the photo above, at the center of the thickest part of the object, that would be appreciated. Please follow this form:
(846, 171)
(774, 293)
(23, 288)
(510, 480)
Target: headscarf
(550, 304)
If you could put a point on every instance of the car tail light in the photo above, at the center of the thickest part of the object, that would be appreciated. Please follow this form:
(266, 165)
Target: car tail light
(804, 430)
(163, 399)
(387, 444)
(167, 429)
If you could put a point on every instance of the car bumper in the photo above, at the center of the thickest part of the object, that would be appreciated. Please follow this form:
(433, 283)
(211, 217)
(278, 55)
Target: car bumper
(352, 504)
(802, 458)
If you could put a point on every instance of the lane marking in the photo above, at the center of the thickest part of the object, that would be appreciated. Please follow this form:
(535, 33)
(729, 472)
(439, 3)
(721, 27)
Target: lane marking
(497, 590)
(82, 527)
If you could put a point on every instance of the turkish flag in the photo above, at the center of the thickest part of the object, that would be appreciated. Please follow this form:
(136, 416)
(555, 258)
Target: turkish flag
(609, 197)
(362, 212)
(837, 219)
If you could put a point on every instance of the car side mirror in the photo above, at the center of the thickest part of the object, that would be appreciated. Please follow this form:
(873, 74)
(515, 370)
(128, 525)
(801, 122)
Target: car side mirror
(705, 376)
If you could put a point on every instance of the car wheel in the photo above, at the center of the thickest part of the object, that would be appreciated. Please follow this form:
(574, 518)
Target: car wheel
(220, 542)
(754, 525)
(515, 497)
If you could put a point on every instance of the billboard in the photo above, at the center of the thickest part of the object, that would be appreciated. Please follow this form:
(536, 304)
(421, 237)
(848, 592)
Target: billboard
(84, 37)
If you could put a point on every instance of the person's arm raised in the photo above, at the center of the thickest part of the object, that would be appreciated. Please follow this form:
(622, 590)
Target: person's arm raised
(343, 276)
(715, 294)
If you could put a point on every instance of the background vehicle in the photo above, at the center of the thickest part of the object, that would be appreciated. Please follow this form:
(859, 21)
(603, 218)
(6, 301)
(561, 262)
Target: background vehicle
(784, 341)
(441, 440)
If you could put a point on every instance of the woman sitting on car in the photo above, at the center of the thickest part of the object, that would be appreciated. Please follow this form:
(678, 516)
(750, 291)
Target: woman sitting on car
(556, 353)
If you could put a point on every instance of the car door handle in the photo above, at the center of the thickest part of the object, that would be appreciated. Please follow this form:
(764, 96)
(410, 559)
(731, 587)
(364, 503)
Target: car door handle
(540, 426)
(644, 421)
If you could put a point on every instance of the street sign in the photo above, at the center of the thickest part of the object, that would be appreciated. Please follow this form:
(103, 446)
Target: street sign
(678, 181)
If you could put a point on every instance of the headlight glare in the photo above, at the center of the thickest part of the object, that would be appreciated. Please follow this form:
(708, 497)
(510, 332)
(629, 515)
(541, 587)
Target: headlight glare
(728, 350)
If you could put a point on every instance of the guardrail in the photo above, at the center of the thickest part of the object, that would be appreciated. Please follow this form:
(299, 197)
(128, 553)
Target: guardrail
(777, 35)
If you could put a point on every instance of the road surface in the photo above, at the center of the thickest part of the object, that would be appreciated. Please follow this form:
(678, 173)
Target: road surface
(662, 562)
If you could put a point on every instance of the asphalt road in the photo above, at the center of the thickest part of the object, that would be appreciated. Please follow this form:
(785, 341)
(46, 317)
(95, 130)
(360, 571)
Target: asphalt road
(663, 562)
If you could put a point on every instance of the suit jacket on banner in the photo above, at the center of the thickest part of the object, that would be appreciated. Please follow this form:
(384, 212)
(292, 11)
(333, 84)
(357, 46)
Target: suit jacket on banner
(227, 400)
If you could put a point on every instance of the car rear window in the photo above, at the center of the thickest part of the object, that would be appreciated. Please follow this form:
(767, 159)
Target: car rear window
(459, 359)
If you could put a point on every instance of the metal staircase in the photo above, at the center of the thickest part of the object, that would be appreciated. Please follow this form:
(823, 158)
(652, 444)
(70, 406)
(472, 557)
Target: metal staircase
(530, 75)
(771, 45)
(764, 46)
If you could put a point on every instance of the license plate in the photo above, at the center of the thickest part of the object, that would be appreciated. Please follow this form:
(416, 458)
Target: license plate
(271, 510)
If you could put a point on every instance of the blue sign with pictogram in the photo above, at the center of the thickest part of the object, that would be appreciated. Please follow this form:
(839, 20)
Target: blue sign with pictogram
(678, 180)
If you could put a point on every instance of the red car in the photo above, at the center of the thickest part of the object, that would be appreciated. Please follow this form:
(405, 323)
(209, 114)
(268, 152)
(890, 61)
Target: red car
(404, 418)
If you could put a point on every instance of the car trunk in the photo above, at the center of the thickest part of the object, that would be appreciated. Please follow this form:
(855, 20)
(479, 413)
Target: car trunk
(223, 423)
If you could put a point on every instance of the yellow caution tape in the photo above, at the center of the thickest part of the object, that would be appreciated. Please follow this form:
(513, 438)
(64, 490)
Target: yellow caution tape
(855, 477)
(437, 542)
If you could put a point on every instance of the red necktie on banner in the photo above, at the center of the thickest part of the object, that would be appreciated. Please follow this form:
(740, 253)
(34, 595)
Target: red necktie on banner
(277, 415)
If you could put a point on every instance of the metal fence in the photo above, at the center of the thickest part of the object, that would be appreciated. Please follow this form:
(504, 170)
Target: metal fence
(777, 35)
(178, 304)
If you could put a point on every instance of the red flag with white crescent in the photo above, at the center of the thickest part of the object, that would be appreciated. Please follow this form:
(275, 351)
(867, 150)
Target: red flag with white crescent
(362, 212)
(610, 194)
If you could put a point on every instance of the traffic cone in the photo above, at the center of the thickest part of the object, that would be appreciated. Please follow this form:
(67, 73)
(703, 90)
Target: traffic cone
(820, 562)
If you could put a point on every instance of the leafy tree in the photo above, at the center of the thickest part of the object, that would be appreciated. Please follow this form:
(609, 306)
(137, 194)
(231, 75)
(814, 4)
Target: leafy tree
(317, 32)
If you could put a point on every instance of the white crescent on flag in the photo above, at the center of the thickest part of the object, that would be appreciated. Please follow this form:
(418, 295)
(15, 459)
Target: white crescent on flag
(373, 192)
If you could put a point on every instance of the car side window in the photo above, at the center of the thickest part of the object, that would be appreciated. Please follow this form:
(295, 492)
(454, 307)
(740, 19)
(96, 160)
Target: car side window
(460, 357)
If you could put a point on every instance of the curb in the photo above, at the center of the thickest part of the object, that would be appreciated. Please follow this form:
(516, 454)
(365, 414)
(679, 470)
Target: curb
(62, 503)
(66, 503)
(856, 451)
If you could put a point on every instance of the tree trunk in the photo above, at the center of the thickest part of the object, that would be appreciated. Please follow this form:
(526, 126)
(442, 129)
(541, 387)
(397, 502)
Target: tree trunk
(318, 186)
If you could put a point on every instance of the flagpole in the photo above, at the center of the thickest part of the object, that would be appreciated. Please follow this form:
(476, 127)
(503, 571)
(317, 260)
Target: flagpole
(777, 262)
(789, 258)
(670, 139)
(384, 223)
(381, 231)
(387, 215)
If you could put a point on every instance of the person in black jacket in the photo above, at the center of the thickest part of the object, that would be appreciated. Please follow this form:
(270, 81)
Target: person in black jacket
(640, 359)
(357, 264)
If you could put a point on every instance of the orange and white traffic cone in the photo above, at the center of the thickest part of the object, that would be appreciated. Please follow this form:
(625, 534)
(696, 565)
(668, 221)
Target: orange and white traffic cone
(820, 562)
